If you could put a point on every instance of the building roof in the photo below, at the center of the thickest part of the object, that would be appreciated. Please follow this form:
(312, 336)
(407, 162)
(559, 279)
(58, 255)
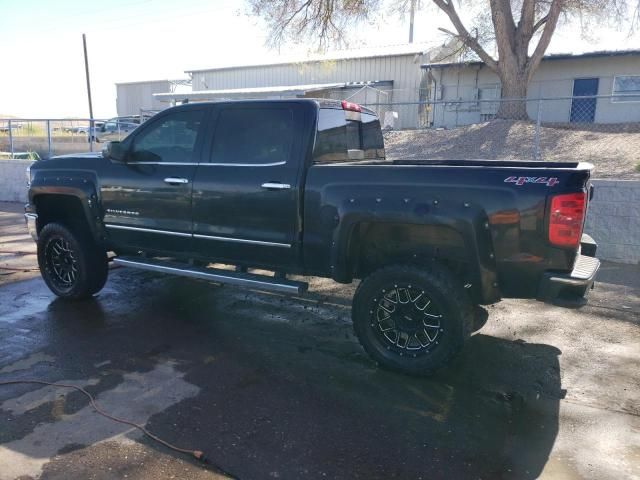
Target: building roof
(207, 94)
(549, 57)
(180, 81)
(365, 52)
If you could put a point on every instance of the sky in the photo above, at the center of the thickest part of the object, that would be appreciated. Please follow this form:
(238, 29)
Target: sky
(42, 66)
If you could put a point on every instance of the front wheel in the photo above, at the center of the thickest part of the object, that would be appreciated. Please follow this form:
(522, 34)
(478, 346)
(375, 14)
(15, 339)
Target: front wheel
(412, 319)
(71, 264)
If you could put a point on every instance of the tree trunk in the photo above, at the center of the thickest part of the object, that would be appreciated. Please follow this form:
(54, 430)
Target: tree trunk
(513, 105)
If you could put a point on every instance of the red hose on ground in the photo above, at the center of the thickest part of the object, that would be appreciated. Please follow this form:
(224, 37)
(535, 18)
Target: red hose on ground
(197, 454)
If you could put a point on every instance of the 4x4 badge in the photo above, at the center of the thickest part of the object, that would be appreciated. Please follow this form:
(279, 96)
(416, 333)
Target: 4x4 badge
(548, 181)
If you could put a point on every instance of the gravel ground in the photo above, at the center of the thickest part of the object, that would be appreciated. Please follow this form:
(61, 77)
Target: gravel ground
(613, 149)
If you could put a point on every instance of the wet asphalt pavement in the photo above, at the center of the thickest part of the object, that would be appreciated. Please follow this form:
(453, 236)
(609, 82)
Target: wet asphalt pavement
(270, 386)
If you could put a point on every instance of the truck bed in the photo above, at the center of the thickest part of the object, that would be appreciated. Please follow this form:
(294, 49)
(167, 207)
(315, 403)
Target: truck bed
(479, 163)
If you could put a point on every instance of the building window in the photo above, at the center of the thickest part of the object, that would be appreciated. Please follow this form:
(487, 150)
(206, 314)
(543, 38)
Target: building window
(626, 88)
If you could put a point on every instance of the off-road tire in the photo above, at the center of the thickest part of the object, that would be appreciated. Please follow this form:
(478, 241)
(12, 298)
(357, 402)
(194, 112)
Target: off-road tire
(89, 261)
(445, 293)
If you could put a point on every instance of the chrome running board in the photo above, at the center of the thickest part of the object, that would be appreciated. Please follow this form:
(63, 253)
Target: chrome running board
(228, 277)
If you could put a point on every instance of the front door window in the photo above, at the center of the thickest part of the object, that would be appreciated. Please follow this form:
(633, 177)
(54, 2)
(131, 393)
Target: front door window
(171, 139)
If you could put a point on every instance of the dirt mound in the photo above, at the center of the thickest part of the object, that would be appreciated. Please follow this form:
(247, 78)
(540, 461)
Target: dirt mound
(614, 149)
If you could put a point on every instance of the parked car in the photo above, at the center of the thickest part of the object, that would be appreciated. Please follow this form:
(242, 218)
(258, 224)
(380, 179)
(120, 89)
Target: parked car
(20, 156)
(116, 128)
(303, 187)
(85, 128)
(13, 126)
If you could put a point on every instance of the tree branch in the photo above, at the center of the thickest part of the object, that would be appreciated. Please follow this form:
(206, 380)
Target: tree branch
(501, 10)
(540, 23)
(463, 34)
(550, 26)
(504, 28)
(287, 21)
(527, 17)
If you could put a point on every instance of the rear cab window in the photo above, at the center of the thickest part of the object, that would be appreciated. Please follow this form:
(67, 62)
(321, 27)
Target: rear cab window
(346, 136)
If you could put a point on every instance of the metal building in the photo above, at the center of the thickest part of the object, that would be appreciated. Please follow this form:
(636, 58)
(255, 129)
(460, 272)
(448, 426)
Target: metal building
(371, 76)
(561, 79)
(134, 97)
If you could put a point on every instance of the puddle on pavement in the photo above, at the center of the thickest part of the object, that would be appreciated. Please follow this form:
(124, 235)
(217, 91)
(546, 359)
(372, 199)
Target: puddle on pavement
(137, 397)
(27, 363)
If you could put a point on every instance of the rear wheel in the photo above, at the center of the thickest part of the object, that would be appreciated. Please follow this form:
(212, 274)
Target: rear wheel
(71, 263)
(412, 319)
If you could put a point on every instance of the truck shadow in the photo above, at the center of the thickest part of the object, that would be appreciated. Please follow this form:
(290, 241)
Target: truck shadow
(303, 396)
(493, 414)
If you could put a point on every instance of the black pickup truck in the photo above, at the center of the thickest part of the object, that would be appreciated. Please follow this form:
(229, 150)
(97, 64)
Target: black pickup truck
(302, 187)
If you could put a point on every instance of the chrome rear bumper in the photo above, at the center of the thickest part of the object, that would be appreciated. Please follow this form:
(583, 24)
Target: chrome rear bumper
(570, 289)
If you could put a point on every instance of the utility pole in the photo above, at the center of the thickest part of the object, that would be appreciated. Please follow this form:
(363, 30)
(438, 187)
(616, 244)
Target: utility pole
(86, 71)
(412, 15)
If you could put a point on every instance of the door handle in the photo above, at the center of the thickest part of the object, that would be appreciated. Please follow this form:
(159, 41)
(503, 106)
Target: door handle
(276, 186)
(175, 181)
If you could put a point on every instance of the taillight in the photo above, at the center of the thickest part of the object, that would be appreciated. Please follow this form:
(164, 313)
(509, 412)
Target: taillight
(566, 217)
(352, 107)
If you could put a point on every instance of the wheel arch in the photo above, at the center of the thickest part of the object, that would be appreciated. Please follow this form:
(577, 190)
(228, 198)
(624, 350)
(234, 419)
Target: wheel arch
(463, 246)
(375, 245)
(66, 207)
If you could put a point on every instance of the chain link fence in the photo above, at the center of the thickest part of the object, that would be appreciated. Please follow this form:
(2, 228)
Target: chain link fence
(603, 130)
(26, 138)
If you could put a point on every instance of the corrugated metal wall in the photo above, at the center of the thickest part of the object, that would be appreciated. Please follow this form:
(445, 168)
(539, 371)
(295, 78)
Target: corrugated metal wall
(139, 95)
(402, 70)
(554, 78)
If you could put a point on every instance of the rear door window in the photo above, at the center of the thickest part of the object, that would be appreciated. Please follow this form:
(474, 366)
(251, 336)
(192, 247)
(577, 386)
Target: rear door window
(253, 136)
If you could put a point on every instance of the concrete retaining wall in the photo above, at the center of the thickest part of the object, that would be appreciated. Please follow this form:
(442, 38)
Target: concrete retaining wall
(613, 219)
(13, 180)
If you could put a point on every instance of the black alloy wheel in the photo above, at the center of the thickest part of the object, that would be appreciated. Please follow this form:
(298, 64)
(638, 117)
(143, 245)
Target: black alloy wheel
(71, 263)
(407, 320)
(61, 263)
(412, 319)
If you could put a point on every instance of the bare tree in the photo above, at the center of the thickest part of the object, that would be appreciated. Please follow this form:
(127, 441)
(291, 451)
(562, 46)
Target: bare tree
(521, 30)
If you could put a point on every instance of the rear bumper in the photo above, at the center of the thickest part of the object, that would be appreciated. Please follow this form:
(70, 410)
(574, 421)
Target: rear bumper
(570, 289)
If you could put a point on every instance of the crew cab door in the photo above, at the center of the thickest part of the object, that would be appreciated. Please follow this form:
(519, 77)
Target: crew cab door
(147, 197)
(246, 198)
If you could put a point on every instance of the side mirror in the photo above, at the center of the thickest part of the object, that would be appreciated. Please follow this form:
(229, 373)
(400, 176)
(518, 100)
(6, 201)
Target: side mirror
(114, 151)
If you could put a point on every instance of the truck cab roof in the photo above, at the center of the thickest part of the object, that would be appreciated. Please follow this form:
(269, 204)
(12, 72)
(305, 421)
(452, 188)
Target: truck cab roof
(319, 102)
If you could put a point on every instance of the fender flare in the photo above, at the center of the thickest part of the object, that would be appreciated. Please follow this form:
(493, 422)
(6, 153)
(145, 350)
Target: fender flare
(471, 224)
(82, 187)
